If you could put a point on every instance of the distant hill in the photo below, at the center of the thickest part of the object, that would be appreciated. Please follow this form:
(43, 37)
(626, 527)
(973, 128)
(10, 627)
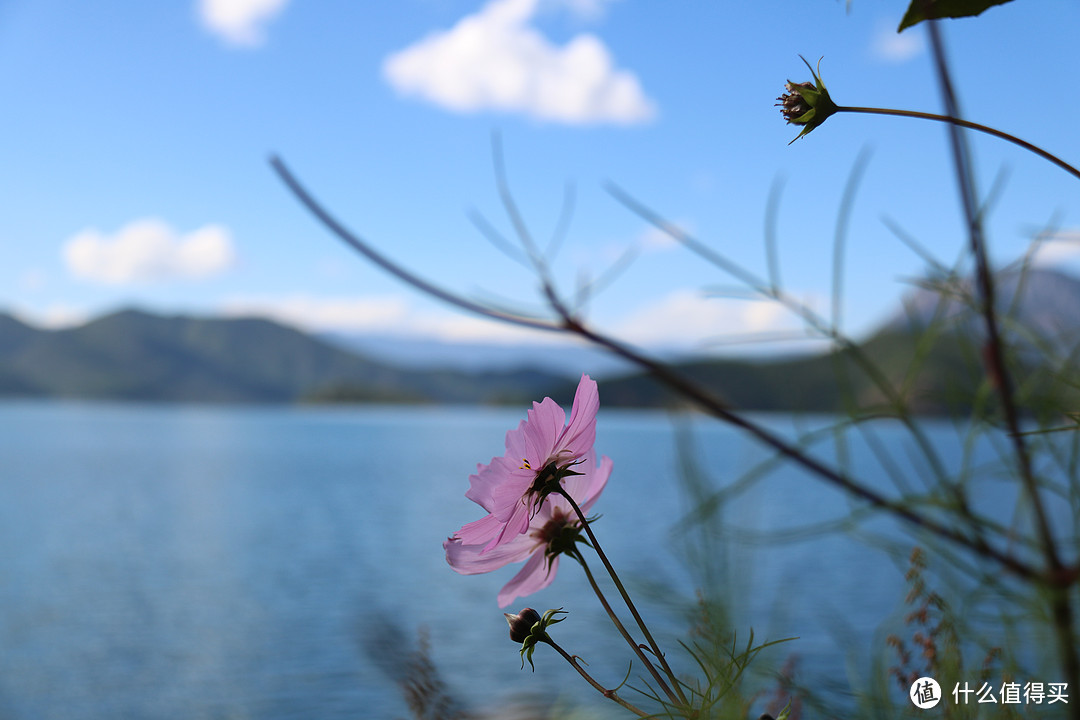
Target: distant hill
(931, 353)
(133, 355)
(1039, 307)
(946, 378)
(570, 360)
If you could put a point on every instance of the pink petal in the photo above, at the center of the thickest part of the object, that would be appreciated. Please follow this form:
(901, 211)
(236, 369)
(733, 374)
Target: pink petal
(470, 560)
(514, 524)
(597, 482)
(545, 425)
(480, 532)
(534, 576)
(506, 498)
(585, 488)
(487, 479)
(515, 443)
(577, 485)
(580, 433)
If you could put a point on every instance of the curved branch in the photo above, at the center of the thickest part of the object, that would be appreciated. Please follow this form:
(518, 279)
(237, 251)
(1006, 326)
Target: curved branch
(664, 374)
(425, 286)
(960, 122)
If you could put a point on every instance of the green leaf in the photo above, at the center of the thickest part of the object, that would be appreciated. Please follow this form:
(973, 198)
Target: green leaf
(920, 10)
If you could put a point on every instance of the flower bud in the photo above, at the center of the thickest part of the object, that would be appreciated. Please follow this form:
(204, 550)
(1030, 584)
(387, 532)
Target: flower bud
(529, 628)
(521, 625)
(807, 104)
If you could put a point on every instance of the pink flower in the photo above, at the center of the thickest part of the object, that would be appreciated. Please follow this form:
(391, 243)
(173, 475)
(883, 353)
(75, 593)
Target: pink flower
(539, 453)
(526, 519)
(551, 529)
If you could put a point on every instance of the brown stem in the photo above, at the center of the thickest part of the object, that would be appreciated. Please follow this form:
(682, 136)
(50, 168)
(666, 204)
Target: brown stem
(675, 381)
(610, 694)
(960, 122)
(626, 598)
(1060, 608)
(719, 410)
(622, 629)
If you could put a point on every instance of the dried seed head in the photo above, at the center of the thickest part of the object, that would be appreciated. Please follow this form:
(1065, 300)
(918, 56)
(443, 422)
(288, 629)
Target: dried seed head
(806, 103)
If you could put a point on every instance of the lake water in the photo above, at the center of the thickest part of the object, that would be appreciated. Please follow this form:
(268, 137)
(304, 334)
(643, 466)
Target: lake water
(272, 563)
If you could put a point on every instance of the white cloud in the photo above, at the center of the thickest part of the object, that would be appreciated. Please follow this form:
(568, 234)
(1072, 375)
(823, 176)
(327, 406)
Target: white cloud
(471, 328)
(148, 250)
(495, 60)
(682, 320)
(1060, 248)
(894, 47)
(685, 318)
(374, 314)
(388, 314)
(239, 22)
(52, 317)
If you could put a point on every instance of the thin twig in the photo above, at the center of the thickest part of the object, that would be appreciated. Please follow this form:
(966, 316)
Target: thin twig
(629, 604)
(1056, 575)
(699, 396)
(960, 122)
(618, 623)
(772, 257)
(1003, 378)
(364, 248)
(610, 694)
(812, 319)
(718, 409)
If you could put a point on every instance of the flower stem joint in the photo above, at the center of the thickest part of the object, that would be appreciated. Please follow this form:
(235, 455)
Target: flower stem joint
(807, 104)
(529, 628)
(550, 478)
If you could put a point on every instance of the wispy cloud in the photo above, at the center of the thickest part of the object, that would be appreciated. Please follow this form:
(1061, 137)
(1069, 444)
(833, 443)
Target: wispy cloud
(1060, 248)
(148, 250)
(382, 315)
(52, 317)
(686, 318)
(496, 59)
(368, 314)
(681, 320)
(893, 47)
(239, 22)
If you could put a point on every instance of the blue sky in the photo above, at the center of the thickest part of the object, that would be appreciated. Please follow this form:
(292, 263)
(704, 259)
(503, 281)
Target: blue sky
(136, 137)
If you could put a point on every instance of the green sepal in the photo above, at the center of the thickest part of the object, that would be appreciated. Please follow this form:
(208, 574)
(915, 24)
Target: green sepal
(565, 542)
(550, 478)
(538, 634)
(818, 98)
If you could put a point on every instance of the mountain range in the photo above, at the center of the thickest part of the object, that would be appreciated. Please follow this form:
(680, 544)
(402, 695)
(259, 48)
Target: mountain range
(931, 355)
(137, 356)
(134, 355)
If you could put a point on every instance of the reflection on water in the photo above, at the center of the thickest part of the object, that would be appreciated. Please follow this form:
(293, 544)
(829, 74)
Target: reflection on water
(279, 563)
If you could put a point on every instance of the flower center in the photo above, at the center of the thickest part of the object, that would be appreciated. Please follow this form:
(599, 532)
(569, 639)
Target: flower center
(545, 477)
(558, 534)
(554, 527)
